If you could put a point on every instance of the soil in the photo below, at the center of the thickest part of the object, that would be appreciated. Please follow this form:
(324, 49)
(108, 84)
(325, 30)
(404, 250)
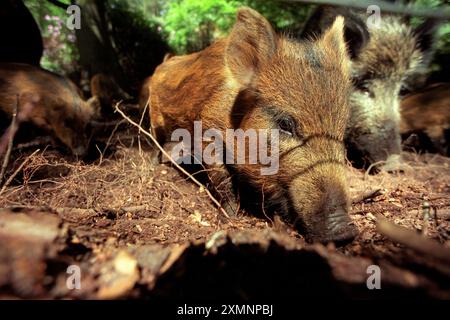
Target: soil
(137, 228)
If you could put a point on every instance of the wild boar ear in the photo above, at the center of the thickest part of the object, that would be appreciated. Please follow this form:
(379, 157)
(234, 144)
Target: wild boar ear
(251, 43)
(426, 34)
(356, 33)
(333, 38)
(96, 107)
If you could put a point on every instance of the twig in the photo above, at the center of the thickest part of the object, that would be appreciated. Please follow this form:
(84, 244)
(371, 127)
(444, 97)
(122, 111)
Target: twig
(11, 132)
(40, 141)
(367, 195)
(133, 209)
(214, 200)
(11, 178)
(95, 123)
(366, 174)
(426, 217)
(440, 13)
(108, 142)
(413, 240)
(263, 206)
(140, 125)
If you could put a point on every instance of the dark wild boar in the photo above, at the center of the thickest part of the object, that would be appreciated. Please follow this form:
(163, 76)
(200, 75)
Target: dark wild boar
(256, 79)
(427, 114)
(108, 92)
(58, 105)
(386, 62)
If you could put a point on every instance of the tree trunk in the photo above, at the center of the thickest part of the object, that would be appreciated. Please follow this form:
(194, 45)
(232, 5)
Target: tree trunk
(94, 41)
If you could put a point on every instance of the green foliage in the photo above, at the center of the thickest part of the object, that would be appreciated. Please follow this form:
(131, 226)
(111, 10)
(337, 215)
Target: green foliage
(60, 50)
(443, 35)
(283, 15)
(192, 25)
(444, 39)
(439, 66)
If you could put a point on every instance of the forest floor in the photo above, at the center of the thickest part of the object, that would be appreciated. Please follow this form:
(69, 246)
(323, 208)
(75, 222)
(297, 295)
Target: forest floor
(140, 229)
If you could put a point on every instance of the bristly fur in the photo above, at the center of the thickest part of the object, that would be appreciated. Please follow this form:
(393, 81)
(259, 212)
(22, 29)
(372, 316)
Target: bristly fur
(248, 81)
(385, 62)
(384, 67)
(58, 104)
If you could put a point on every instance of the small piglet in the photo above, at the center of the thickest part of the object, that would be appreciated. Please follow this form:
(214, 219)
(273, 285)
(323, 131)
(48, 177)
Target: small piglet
(58, 106)
(256, 79)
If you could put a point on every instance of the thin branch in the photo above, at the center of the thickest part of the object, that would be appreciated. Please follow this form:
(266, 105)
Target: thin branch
(140, 125)
(367, 195)
(11, 132)
(148, 134)
(373, 165)
(11, 178)
(108, 142)
(441, 13)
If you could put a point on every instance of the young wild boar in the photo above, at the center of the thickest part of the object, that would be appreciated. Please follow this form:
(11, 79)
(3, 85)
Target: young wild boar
(58, 105)
(257, 79)
(428, 113)
(388, 59)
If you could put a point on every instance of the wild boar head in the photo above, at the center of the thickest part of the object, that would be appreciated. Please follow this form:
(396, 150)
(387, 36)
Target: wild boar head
(301, 89)
(387, 60)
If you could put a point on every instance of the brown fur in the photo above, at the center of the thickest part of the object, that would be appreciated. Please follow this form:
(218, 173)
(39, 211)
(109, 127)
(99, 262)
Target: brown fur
(144, 93)
(59, 107)
(428, 112)
(386, 61)
(251, 80)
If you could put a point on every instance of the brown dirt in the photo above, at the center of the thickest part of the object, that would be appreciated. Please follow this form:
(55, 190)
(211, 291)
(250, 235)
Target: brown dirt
(127, 207)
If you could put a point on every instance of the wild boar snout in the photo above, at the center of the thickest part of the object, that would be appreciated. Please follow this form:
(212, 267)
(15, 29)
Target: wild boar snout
(377, 143)
(320, 201)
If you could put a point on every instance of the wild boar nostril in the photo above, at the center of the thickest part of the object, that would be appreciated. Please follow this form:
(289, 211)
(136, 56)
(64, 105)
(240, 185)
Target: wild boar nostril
(337, 220)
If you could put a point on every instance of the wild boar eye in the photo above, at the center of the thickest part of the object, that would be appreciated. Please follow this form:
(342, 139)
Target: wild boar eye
(366, 91)
(286, 125)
